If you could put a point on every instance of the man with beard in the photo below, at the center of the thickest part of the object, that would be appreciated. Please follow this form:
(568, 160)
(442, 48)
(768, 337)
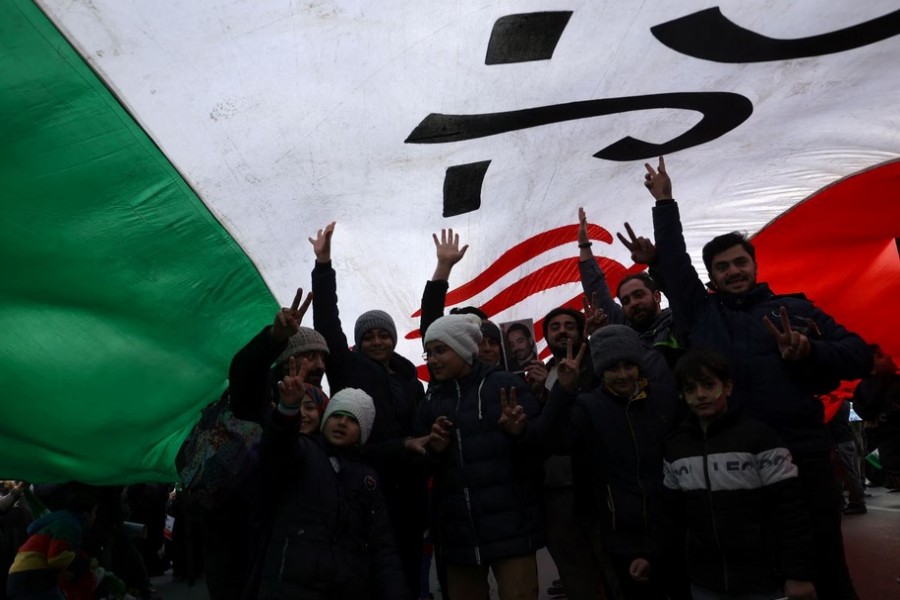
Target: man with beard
(639, 294)
(520, 345)
(785, 352)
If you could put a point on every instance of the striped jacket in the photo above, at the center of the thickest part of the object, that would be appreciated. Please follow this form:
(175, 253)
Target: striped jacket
(50, 556)
(735, 505)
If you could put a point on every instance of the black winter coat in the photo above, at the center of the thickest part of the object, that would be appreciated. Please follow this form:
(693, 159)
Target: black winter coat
(779, 393)
(331, 536)
(618, 478)
(396, 397)
(486, 483)
(736, 493)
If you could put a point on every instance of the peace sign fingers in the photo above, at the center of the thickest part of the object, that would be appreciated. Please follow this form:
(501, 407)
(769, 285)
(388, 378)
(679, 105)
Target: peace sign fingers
(792, 345)
(657, 181)
(630, 243)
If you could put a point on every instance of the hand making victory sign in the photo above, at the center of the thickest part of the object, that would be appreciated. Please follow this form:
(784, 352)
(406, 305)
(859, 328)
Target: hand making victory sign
(287, 320)
(642, 249)
(512, 414)
(594, 316)
(291, 388)
(657, 181)
(568, 370)
(793, 345)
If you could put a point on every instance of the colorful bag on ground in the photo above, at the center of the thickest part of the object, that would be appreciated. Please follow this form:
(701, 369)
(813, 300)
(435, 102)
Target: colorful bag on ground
(218, 453)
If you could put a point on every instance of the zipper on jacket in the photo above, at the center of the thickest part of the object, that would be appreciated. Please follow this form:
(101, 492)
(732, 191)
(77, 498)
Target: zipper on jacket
(466, 495)
(637, 460)
(468, 501)
(611, 505)
(480, 414)
(712, 513)
(284, 549)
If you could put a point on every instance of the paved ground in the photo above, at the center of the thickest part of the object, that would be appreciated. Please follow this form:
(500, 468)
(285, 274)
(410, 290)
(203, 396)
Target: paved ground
(872, 545)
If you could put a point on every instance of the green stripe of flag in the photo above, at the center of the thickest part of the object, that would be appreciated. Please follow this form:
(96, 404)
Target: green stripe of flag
(122, 298)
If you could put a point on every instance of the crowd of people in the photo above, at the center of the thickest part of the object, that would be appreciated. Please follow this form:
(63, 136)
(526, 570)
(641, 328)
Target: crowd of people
(675, 452)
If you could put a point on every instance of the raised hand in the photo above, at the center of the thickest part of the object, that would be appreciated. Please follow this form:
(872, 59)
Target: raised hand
(287, 320)
(594, 316)
(448, 253)
(291, 388)
(568, 370)
(512, 414)
(642, 249)
(657, 181)
(582, 227)
(439, 438)
(448, 250)
(793, 345)
(322, 243)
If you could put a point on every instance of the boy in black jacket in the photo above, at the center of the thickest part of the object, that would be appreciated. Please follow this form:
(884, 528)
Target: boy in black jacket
(734, 499)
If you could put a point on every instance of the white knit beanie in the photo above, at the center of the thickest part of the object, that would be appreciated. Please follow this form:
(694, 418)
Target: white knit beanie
(462, 333)
(357, 404)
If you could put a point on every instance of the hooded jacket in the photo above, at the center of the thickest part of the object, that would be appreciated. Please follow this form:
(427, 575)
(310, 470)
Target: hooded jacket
(486, 483)
(51, 551)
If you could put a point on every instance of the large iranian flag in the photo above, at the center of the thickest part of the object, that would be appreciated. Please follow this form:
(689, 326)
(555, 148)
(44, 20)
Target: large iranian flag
(164, 163)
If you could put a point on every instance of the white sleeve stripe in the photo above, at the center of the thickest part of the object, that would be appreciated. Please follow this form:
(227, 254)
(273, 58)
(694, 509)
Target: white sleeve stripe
(730, 470)
(775, 465)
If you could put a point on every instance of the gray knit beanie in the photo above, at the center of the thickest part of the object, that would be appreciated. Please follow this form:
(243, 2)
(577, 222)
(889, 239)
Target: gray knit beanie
(373, 319)
(357, 404)
(461, 333)
(305, 340)
(613, 343)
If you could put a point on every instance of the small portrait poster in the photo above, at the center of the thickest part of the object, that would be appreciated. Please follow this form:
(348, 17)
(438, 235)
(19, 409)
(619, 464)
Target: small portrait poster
(519, 348)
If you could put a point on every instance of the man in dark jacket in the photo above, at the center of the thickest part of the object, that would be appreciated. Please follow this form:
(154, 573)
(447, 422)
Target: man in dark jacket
(639, 294)
(566, 540)
(487, 470)
(392, 382)
(778, 371)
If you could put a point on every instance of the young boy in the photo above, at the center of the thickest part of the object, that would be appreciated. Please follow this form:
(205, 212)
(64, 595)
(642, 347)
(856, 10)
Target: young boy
(736, 507)
(331, 537)
(487, 471)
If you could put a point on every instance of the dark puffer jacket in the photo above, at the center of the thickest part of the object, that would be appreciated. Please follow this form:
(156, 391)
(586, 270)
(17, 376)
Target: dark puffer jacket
(620, 484)
(396, 396)
(487, 483)
(331, 536)
(736, 493)
(779, 393)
